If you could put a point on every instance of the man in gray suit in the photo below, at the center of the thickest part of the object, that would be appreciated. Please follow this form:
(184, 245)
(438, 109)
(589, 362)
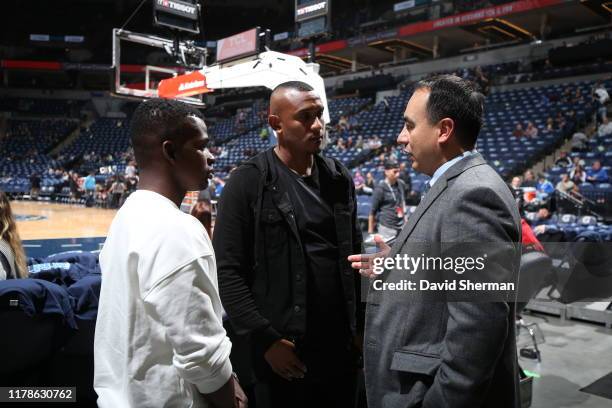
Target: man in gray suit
(420, 349)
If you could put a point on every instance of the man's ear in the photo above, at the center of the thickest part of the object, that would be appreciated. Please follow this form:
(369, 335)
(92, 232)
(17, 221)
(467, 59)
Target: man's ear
(169, 151)
(447, 129)
(275, 122)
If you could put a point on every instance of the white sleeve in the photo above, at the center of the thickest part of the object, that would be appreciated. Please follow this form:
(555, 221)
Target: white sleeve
(184, 303)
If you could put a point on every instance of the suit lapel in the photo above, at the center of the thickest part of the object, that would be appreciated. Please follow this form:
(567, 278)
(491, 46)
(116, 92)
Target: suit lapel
(431, 196)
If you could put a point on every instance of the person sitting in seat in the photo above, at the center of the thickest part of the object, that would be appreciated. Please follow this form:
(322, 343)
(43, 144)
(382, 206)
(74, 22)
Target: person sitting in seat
(12, 256)
(596, 174)
(565, 185)
(563, 160)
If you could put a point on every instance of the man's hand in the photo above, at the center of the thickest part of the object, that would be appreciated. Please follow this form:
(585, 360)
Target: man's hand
(283, 360)
(241, 400)
(539, 229)
(230, 395)
(365, 262)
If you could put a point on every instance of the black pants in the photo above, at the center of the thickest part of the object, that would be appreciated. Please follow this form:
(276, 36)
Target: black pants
(330, 380)
(331, 391)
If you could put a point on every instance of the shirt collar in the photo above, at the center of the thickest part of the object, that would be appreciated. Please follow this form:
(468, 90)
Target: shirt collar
(442, 169)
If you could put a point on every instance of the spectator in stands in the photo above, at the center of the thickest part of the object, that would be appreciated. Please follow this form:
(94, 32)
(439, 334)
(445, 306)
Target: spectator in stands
(374, 143)
(370, 181)
(544, 186)
(577, 98)
(388, 204)
(578, 175)
(576, 192)
(532, 130)
(602, 97)
(12, 256)
(596, 174)
(263, 115)
(219, 185)
(529, 179)
(167, 346)
(90, 185)
(130, 169)
(560, 120)
(34, 185)
(516, 182)
(411, 197)
(567, 95)
(65, 177)
(359, 143)
(343, 123)
(117, 190)
(578, 161)
(550, 124)
(565, 185)
(202, 210)
(340, 145)
(131, 184)
(481, 79)
(541, 217)
(563, 160)
(541, 221)
(605, 129)
(360, 186)
(240, 124)
(385, 103)
(264, 133)
(73, 183)
(518, 131)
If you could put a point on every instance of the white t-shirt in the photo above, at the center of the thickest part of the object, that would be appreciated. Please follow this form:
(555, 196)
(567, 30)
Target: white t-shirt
(602, 95)
(130, 171)
(605, 129)
(159, 338)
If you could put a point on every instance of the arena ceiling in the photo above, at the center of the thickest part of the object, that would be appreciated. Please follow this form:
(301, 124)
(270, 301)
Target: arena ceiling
(94, 20)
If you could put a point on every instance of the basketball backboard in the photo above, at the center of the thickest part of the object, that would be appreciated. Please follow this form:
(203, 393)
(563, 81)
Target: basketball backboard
(161, 59)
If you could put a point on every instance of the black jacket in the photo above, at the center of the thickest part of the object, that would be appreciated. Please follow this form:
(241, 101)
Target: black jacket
(261, 264)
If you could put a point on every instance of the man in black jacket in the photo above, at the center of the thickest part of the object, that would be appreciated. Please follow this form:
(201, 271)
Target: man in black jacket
(285, 226)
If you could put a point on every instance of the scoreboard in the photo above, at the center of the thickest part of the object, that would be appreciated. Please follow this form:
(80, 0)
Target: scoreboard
(312, 17)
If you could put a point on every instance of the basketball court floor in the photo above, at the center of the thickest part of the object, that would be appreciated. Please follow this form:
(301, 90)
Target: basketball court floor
(48, 228)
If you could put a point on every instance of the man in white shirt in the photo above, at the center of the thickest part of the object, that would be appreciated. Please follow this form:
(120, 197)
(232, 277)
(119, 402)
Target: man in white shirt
(159, 338)
(603, 98)
(130, 169)
(602, 94)
(605, 129)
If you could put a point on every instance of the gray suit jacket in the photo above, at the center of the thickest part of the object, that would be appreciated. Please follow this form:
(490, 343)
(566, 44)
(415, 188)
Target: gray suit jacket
(421, 350)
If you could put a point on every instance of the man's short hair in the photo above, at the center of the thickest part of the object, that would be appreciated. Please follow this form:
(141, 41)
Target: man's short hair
(160, 118)
(458, 99)
(296, 85)
(391, 165)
